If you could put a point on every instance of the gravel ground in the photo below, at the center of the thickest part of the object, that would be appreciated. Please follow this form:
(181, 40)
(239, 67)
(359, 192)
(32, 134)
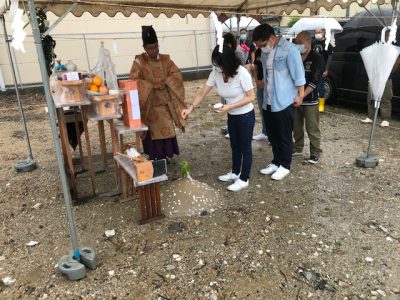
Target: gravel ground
(329, 231)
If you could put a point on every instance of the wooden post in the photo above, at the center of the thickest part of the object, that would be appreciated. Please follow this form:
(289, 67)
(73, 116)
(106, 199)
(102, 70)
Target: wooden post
(138, 142)
(89, 149)
(148, 201)
(158, 200)
(142, 203)
(152, 188)
(78, 134)
(124, 181)
(64, 137)
(102, 138)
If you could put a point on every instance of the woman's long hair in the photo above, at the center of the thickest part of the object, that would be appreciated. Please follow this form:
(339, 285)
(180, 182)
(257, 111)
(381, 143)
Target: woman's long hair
(227, 61)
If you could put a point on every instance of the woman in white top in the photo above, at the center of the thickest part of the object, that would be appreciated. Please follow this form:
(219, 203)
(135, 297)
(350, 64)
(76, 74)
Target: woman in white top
(233, 83)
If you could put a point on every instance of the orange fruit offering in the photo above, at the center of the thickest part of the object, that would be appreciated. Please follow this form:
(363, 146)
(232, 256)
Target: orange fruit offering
(103, 89)
(96, 80)
(93, 88)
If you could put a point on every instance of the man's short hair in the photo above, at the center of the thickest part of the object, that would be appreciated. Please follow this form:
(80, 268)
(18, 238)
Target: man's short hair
(263, 32)
(243, 29)
(304, 35)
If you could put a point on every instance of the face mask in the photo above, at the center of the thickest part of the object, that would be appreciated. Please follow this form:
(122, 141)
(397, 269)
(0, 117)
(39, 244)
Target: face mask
(243, 37)
(319, 36)
(218, 69)
(267, 49)
(302, 48)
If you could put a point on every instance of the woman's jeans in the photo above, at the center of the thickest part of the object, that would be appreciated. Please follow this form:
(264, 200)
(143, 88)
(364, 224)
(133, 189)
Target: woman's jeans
(240, 129)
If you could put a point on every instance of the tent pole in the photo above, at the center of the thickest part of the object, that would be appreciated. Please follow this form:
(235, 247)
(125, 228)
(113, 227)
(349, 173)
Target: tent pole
(197, 51)
(373, 129)
(19, 81)
(28, 164)
(86, 51)
(368, 161)
(53, 124)
(238, 25)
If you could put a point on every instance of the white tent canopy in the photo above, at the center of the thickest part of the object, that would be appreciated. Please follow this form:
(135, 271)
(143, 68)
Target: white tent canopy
(194, 8)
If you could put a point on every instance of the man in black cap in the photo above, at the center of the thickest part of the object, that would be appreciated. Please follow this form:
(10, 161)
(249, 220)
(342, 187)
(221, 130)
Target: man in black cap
(150, 41)
(161, 97)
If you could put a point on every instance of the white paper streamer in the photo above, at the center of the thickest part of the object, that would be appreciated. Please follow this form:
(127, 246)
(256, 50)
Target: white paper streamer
(218, 28)
(13, 7)
(19, 34)
(392, 33)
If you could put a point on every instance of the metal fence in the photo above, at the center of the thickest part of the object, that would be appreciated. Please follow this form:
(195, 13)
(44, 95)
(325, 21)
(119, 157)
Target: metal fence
(189, 49)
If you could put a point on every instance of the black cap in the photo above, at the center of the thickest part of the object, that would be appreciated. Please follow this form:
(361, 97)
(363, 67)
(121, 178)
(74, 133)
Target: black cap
(149, 35)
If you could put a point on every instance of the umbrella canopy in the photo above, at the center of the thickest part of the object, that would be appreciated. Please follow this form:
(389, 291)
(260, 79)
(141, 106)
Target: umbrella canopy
(313, 23)
(245, 22)
(364, 19)
(379, 59)
(190, 7)
(329, 24)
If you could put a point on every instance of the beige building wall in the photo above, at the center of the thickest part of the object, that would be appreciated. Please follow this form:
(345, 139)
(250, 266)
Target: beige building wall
(177, 37)
(287, 17)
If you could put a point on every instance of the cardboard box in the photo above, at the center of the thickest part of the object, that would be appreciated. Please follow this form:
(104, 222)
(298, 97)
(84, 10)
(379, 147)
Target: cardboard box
(130, 105)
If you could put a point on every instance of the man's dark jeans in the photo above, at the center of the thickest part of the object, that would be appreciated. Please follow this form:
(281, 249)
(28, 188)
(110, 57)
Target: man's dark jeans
(280, 128)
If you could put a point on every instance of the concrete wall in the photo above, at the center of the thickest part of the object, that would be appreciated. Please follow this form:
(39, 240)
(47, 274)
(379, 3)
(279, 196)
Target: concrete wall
(176, 37)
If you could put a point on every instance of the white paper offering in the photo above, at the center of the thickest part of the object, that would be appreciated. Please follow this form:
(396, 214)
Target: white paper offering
(72, 76)
(134, 97)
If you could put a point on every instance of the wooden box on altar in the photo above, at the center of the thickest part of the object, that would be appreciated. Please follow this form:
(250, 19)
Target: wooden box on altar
(144, 169)
(106, 105)
(72, 91)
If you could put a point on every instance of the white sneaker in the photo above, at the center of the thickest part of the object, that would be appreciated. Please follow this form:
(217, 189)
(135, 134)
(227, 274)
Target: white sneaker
(260, 137)
(280, 173)
(229, 177)
(238, 185)
(270, 169)
(384, 124)
(227, 135)
(366, 121)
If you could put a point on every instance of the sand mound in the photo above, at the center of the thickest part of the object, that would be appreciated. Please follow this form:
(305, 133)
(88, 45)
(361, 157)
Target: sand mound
(189, 197)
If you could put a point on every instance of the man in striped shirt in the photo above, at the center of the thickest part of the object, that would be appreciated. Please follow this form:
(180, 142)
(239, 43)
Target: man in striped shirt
(308, 112)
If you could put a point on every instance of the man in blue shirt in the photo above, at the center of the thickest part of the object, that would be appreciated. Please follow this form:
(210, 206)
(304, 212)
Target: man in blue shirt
(283, 91)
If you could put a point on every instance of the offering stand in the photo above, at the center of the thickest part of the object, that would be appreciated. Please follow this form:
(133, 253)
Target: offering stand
(148, 190)
(62, 125)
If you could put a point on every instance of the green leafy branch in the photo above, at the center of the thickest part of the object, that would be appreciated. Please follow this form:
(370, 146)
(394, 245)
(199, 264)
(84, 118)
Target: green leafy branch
(185, 168)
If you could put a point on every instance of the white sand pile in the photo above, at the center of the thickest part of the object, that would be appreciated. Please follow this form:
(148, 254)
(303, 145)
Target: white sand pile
(189, 197)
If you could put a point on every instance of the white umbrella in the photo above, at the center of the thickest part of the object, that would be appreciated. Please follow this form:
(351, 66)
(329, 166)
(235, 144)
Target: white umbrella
(379, 59)
(245, 22)
(329, 24)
